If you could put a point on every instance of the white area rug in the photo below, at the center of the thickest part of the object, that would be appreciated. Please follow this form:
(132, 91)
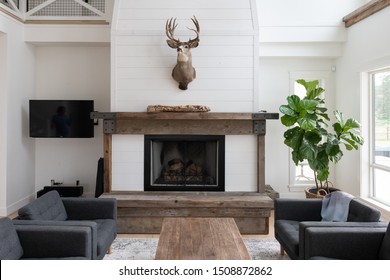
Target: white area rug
(145, 249)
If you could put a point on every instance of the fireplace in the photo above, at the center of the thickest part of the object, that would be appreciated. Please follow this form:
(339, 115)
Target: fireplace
(184, 163)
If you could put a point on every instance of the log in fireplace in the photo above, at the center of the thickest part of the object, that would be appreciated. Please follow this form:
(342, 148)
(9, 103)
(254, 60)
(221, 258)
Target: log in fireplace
(184, 163)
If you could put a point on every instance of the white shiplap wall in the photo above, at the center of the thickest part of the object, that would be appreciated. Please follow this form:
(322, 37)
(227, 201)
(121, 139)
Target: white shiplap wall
(226, 62)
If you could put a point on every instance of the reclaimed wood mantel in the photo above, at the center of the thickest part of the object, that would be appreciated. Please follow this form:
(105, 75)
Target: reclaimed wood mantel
(184, 123)
(187, 123)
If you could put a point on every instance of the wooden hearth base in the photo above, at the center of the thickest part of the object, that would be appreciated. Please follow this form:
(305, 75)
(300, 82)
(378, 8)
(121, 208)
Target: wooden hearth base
(143, 212)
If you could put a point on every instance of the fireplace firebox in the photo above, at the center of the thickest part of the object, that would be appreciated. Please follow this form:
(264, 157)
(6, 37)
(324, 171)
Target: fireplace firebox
(184, 163)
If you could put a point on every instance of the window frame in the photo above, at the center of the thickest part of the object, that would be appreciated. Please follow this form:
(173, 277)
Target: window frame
(372, 164)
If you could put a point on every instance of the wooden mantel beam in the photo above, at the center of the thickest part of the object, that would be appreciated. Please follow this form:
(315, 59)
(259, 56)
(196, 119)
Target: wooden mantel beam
(184, 123)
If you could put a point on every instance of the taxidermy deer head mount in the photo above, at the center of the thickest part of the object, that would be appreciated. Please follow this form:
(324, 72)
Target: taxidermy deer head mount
(183, 72)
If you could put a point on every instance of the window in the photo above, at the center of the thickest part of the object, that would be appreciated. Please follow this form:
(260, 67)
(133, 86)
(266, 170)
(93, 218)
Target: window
(302, 176)
(380, 135)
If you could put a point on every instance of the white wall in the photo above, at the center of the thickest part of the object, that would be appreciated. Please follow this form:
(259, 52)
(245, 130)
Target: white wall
(71, 72)
(226, 80)
(274, 88)
(368, 48)
(303, 28)
(17, 186)
(143, 62)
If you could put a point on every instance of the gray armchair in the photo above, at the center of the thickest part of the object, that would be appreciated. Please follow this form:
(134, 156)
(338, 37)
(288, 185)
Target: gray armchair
(294, 216)
(357, 243)
(44, 242)
(99, 214)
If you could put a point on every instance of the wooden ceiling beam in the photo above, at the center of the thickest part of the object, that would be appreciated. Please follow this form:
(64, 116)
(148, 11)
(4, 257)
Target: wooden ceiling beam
(365, 11)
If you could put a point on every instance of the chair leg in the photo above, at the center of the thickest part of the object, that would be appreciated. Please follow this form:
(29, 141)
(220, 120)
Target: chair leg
(281, 250)
(109, 251)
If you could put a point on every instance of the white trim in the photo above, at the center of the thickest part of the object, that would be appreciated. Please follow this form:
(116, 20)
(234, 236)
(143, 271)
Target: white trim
(39, 7)
(14, 6)
(63, 18)
(99, 14)
(256, 66)
(89, 7)
(369, 133)
(16, 12)
(5, 211)
(365, 154)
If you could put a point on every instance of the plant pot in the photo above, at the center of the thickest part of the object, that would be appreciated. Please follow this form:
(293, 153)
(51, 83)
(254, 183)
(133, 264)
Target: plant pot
(312, 192)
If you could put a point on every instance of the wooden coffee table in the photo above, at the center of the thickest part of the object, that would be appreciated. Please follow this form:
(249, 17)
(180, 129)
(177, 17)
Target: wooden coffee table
(200, 239)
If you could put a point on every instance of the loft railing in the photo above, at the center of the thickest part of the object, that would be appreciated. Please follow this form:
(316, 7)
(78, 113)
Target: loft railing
(54, 10)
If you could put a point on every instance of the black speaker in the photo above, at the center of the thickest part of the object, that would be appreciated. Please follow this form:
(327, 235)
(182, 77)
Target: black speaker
(100, 178)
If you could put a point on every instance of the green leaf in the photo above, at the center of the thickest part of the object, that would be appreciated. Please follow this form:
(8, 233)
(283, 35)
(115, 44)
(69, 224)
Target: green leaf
(309, 122)
(322, 109)
(332, 149)
(311, 94)
(352, 124)
(349, 142)
(308, 105)
(357, 138)
(339, 117)
(335, 158)
(288, 120)
(348, 147)
(309, 85)
(285, 109)
(320, 162)
(296, 157)
(293, 137)
(294, 102)
(338, 129)
(323, 174)
(313, 137)
(325, 116)
(322, 131)
(307, 150)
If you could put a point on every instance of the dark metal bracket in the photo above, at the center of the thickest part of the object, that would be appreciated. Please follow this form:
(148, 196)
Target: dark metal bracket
(259, 127)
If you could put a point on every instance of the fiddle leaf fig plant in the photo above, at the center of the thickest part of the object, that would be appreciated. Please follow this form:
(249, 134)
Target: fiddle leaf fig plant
(310, 136)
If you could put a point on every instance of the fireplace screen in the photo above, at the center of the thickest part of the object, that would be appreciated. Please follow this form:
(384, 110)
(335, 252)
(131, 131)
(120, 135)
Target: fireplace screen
(184, 163)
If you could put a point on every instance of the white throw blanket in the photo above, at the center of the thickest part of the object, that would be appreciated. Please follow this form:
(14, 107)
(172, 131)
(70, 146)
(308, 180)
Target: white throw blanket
(335, 206)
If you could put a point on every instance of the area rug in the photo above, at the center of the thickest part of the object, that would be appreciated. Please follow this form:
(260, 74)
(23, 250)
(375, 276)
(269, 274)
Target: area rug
(145, 249)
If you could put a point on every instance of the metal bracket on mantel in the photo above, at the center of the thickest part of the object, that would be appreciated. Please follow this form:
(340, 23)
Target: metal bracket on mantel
(259, 127)
(108, 121)
(259, 119)
(109, 126)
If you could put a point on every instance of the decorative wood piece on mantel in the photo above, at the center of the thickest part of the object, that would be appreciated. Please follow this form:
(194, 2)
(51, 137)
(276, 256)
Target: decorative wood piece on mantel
(199, 123)
(365, 11)
(180, 108)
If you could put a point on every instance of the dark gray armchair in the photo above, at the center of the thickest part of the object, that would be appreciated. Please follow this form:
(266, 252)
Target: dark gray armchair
(294, 216)
(99, 214)
(44, 241)
(356, 243)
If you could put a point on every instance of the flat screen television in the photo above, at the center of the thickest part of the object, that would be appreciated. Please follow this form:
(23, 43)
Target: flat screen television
(61, 118)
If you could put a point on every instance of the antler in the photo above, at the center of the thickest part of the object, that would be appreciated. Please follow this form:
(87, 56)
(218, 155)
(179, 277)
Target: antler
(197, 31)
(170, 30)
